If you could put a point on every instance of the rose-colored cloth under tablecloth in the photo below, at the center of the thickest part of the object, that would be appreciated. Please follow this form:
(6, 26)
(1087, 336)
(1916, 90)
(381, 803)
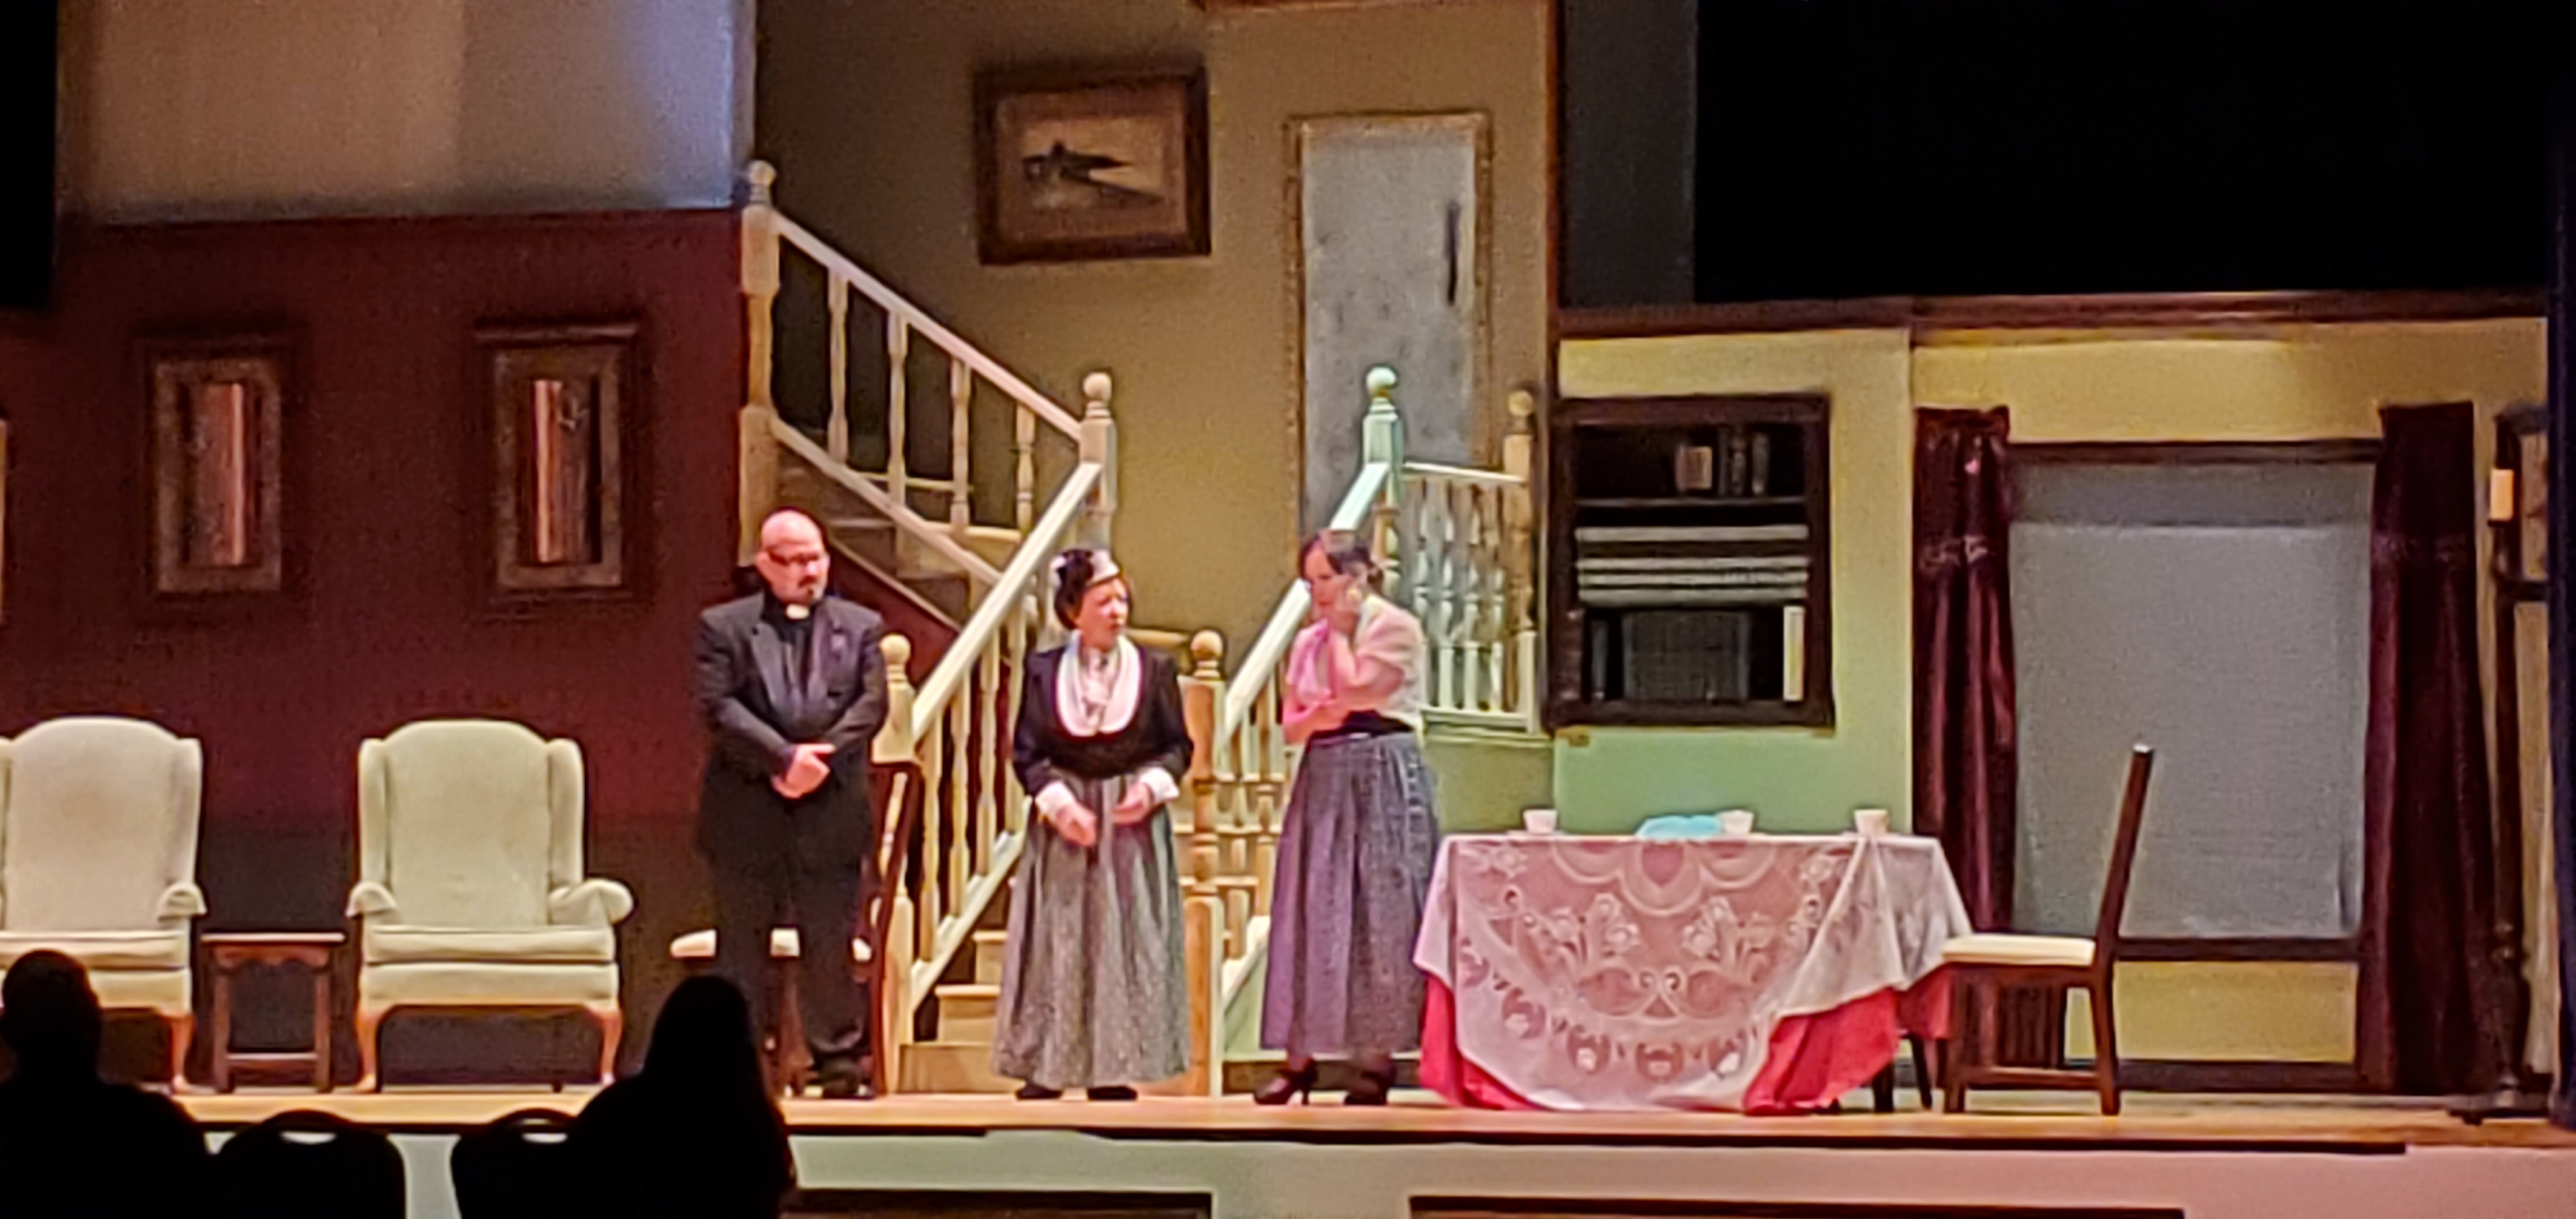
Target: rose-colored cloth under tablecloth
(1767, 974)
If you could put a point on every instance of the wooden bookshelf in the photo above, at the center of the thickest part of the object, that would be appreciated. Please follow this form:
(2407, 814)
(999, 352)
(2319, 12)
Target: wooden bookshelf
(1688, 556)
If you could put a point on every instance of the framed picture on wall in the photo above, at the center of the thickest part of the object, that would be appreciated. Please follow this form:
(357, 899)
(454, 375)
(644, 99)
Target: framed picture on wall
(558, 402)
(1256, 6)
(1074, 165)
(218, 408)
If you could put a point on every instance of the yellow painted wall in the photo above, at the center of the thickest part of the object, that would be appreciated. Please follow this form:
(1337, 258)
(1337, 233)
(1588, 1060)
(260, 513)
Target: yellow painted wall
(2291, 383)
(2249, 1012)
(866, 108)
(2284, 383)
(2288, 383)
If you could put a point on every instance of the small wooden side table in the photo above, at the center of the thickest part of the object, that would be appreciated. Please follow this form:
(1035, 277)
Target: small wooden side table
(231, 952)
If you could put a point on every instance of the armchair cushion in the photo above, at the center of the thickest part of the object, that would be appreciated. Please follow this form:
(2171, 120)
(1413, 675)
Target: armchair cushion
(592, 903)
(100, 826)
(396, 945)
(102, 950)
(2007, 949)
(472, 825)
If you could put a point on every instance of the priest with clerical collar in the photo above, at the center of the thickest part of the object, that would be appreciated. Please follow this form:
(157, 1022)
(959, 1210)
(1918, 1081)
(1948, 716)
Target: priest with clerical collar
(792, 683)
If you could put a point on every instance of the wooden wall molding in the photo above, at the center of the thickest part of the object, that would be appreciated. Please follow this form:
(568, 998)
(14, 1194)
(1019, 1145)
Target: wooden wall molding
(1925, 314)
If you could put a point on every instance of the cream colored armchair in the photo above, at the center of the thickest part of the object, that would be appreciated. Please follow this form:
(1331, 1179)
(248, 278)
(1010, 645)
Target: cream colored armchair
(98, 860)
(470, 889)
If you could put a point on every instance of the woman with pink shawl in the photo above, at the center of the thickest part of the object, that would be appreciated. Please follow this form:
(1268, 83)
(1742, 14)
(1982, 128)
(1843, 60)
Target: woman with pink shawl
(1356, 851)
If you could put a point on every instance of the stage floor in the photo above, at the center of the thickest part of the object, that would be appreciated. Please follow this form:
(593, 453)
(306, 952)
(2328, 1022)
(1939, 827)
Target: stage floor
(2021, 1120)
(2030, 1156)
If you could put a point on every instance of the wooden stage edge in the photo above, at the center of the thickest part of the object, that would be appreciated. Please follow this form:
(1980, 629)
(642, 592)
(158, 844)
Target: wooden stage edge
(2299, 1125)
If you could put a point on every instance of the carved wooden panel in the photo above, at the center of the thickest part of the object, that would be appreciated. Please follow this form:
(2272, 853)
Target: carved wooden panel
(558, 396)
(218, 473)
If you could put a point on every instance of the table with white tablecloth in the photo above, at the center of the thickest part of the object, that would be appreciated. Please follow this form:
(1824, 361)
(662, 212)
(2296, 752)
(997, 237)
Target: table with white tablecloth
(1766, 973)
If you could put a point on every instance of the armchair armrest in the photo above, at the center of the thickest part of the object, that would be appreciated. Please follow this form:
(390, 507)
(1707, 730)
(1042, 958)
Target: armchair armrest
(370, 898)
(596, 902)
(183, 900)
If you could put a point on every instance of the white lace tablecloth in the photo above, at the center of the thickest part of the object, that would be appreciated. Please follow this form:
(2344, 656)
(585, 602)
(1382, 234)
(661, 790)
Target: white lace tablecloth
(1621, 973)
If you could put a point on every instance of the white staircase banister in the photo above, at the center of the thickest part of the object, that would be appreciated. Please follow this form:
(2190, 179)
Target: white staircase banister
(958, 661)
(1290, 616)
(865, 488)
(1461, 474)
(927, 326)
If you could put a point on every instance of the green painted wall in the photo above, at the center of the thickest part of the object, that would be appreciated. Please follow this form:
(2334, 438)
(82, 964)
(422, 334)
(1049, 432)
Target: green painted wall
(1607, 780)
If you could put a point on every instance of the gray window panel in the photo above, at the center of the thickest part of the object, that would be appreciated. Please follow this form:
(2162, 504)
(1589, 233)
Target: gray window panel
(2220, 614)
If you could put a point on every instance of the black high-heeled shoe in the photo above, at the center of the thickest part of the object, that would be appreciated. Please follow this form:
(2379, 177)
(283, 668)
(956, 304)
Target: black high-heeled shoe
(1113, 1092)
(1298, 1083)
(1038, 1092)
(1372, 1088)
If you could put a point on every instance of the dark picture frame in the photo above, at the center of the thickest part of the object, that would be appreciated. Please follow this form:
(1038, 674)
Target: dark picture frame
(1266, 6)
(218, 409)
(559, 397)
(1076, 165)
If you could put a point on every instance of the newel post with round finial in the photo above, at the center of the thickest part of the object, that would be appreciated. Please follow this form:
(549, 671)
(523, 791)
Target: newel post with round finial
(1099, 443)
(1520, 554)
(757, 471)
(894, 742)
(1202, 701)
(1382, 443)
(1204, 942)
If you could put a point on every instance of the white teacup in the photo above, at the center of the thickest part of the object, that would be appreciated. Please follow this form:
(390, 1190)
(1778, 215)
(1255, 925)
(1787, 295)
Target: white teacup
(1870, 821)
(1735, 823)
(1539, 820)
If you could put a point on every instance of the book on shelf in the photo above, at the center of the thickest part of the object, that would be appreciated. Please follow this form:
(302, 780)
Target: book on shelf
(1793, 653)
(1694, 468)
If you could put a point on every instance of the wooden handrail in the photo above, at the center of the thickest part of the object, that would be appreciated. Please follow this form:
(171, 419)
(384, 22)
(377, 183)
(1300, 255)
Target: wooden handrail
(1035, 551)
(1290, 615)
(985, 831)
(920, 322)
(952, 733)
(1461, 474)
(920, 527)
(1456, 541)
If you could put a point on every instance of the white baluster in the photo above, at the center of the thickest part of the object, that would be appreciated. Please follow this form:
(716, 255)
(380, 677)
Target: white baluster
(898, 391)
(988, 750)
(1024, 446)
(961, 400)
(836, 430)
(1099, 444)
(756, 452)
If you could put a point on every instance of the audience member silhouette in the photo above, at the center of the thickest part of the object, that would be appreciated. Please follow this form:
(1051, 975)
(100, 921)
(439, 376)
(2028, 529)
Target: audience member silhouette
(519, 1167)
(696, 1133)
(306, 1164)
(71, 1143)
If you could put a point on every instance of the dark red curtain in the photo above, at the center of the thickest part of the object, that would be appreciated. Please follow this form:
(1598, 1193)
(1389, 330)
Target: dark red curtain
(2562, 576)
(2429, 891)
(1964, 719)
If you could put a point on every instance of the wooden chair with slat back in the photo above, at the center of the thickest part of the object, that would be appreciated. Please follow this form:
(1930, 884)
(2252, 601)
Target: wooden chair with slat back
(895, 784)
(900, 795)
(1982, 965)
